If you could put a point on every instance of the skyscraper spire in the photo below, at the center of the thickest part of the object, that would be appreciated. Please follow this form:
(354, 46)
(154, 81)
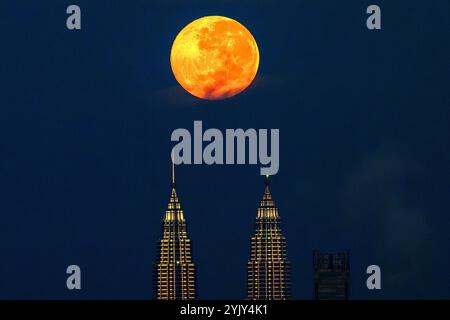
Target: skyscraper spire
(268, 271)
(173, 172)
(174, 270)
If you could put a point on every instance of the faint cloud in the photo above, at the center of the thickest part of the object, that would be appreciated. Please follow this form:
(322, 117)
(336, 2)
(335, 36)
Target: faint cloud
(176, 96)
(381, 210)
(380, 183)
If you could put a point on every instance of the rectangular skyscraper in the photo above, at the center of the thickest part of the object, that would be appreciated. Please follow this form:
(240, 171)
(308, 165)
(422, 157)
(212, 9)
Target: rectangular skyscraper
(331, 276)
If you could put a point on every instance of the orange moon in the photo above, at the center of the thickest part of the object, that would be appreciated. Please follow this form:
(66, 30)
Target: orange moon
(214, 58)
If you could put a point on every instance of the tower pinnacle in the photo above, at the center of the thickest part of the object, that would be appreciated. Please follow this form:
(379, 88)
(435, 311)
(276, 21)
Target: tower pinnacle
(267, 181)
(173, 170)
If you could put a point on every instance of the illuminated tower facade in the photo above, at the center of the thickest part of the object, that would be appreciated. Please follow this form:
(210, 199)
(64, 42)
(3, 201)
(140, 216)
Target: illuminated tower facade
(268, 271)
(331, 275)
(174, 271)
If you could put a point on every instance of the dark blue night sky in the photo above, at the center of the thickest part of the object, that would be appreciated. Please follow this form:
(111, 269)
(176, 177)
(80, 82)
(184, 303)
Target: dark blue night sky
(85, 124)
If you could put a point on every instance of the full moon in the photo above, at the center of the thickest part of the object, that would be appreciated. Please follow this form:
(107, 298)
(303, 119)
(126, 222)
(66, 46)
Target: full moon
(214, 58)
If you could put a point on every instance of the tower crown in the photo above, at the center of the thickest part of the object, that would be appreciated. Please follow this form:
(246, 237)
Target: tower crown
(174, 211)
(267, 207)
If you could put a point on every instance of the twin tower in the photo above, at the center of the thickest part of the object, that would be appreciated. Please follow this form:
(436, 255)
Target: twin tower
(268, 271)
